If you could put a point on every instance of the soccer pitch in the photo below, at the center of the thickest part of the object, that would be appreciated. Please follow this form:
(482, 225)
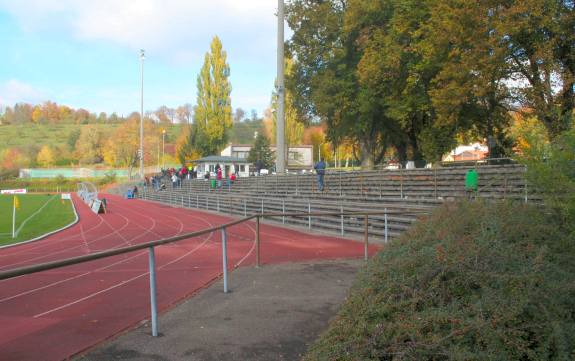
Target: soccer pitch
(38, 214)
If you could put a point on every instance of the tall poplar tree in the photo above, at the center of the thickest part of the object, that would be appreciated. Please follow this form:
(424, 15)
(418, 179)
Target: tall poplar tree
(213, 112)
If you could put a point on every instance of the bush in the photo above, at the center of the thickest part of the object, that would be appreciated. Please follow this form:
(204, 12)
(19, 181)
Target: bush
(474, 281)
(109, 178)
(551, 170)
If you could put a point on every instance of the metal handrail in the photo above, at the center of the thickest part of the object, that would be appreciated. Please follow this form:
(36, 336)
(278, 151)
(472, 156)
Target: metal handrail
(21, 271)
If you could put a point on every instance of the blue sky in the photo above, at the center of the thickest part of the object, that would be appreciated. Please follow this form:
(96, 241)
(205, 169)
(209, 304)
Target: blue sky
(85, 53)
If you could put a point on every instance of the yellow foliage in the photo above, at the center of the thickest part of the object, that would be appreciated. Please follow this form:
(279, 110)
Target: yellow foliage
(45, 156)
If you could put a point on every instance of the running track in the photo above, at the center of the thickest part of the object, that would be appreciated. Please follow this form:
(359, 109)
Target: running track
(55, 314)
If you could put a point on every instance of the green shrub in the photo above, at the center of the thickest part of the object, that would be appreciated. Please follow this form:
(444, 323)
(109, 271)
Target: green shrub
(473, 281)
(109, 178)
(551, 170)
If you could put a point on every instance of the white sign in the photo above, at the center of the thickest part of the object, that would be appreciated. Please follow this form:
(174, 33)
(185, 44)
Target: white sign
(66, 196)
(13, 191)
(98, 207)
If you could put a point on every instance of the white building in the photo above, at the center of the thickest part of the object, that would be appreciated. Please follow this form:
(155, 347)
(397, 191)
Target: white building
(228, 165)
(299, 156)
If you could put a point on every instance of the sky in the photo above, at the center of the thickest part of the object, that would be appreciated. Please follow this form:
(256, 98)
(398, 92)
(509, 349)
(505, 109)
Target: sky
(85, 53)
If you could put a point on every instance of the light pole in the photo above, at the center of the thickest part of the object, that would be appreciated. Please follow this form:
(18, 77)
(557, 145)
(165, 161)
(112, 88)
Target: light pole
(142, 57)
(163, 154)
(280, 119)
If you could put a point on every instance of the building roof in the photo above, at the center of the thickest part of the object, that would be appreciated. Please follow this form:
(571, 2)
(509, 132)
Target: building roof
(221, 159)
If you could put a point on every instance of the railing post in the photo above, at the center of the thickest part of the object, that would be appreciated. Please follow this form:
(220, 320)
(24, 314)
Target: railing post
(257, 241)
(340, 187)
(245, 208)
(341, 219)
(283, 211)
(207, 204)
(153, 304)
(182, 201)
(296, 184)
(365, 236)
(435, 181)
(225, 259)
(218, 202)
(309, 215)
(525, 180)
(197, 201)
(262, 211)
(401, 183)
(385, 220)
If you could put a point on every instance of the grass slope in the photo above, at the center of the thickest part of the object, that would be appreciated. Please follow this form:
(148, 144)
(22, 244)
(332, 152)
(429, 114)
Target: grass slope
(55, 214)
(23, 135)
(474, 281)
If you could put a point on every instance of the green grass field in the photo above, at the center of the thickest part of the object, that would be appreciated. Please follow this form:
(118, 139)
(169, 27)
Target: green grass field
(38, 215)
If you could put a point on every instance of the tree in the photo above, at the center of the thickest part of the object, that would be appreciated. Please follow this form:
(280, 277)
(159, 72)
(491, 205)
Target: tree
(37, 115)
(102, 117)
(184, 113)
(239, 115)
(294, 128)
(165, 115)
(89, 147)
(261, 151)
(121, 147)
(213, 112)
(539, 39)
(185, 151)
(45, 157)
(325, 82)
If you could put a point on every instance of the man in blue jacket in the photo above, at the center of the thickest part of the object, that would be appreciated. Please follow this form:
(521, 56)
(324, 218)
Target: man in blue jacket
(320, 170)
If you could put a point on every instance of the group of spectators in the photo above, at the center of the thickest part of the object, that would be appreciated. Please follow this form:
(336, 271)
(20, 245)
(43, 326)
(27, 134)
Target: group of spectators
(176, 176)
(158, 182)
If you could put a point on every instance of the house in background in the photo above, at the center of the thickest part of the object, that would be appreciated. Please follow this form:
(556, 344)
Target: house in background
(229, 164)
(299, 157)
(475, 151)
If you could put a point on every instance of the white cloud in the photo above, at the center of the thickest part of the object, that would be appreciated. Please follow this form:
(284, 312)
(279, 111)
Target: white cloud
(14, 91)
(158, 25)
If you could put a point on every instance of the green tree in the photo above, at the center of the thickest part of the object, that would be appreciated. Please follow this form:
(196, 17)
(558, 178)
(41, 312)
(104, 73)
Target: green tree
(73, 139)
(261, 151)
(294, 128)
(213, 112)
(539, 39)
(358, 71)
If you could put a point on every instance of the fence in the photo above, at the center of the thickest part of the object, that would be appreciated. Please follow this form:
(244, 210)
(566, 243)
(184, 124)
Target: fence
(151, 252)
(399, 217)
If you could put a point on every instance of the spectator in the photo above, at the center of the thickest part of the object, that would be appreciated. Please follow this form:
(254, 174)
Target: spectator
(135, 191)
(174, 180)
(219, 176)
(320, 170)
(259, 166)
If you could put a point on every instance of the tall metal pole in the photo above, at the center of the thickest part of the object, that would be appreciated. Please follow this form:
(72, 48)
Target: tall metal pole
(163, 145)
(280, 128)
(142, 57)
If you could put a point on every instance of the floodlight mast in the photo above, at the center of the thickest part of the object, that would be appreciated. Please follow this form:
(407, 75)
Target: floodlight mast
(280, 116)
(142, 57)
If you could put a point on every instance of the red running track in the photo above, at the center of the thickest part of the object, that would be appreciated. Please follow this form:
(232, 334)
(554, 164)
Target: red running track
(55, 314)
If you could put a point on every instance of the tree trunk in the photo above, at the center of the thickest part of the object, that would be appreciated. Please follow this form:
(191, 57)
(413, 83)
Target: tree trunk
(367, 158)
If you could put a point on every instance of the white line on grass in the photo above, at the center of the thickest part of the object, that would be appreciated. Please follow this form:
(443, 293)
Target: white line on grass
(33, 214)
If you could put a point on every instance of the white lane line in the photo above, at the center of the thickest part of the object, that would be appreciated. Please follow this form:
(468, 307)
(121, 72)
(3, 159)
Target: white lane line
(70, 278)
(34, 214)
(102, 268)
(122, 283)
(62, 251)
